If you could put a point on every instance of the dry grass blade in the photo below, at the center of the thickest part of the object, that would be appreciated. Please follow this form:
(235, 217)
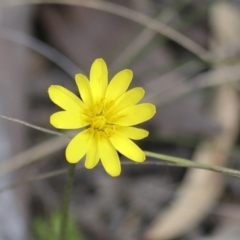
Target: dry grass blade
(135, 46)
(146, 36)
(214, 78)
(33, 154)
(131, 15)
(33, 179)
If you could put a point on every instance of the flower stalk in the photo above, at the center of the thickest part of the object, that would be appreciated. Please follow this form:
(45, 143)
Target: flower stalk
(66, 202)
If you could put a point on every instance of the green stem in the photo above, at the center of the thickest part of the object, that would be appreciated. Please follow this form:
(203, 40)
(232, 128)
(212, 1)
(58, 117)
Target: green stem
(189, 163)
(66, 201)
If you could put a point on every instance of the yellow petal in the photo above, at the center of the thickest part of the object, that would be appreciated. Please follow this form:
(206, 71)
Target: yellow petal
(119, 84)
(84, 89)
(64, 98)
(128, 99)
(109, 157)
(92, 157)
(78, 146)
(127, 147)
(98, 79)
(134, 115)
(133, 133)
(68, 120)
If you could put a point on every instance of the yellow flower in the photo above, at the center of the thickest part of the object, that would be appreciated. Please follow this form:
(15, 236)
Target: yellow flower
(108, 112)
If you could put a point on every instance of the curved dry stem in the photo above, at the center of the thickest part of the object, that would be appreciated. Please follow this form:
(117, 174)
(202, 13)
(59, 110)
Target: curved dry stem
(131, 15)
(42, 48)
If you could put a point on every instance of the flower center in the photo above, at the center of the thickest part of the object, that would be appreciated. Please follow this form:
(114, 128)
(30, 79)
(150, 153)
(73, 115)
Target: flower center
(98, 119)
(98, 122)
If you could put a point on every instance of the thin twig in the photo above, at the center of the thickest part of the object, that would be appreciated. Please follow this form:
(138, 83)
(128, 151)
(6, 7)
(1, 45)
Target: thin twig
(35, 126)
(54, 173)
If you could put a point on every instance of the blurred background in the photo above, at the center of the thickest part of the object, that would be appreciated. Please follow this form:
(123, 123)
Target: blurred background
(186, 54)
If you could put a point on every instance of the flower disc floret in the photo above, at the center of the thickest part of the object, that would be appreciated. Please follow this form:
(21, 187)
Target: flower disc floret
(108, 112)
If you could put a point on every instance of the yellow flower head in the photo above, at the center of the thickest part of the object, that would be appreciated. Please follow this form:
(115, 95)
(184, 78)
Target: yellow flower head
(108, 112)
